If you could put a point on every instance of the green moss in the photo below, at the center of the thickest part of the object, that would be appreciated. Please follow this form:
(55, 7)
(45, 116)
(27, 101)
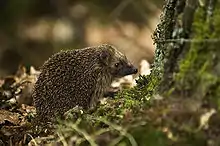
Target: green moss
(149, 85)
(196, 75)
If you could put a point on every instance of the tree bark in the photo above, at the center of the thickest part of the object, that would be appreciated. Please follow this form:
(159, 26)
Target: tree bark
(187, 61)
(186, 69)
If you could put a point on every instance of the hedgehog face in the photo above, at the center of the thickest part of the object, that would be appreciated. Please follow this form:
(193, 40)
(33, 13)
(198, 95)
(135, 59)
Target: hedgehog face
(116, 63)
(121, 68)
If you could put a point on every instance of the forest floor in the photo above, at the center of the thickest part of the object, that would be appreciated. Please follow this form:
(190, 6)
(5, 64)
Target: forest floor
(127, 119)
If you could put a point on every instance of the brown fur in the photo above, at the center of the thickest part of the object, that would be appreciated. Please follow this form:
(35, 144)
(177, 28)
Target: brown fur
(76, 77)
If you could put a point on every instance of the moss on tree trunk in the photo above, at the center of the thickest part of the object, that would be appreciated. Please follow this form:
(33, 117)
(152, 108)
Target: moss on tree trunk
(187, 54)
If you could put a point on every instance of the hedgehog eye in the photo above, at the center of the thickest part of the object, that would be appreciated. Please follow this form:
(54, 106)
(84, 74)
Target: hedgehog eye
(116, 64)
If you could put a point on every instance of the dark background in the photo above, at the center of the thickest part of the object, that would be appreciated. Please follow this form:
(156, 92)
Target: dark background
(32, 30)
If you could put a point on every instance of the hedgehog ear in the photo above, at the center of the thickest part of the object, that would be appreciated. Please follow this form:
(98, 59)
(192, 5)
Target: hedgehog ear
(104, 57)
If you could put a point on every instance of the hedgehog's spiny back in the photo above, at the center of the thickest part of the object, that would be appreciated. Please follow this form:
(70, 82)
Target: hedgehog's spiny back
(68, 79)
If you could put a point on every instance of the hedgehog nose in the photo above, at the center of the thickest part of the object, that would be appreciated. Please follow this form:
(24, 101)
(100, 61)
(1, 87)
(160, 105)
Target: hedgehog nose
(135, 70)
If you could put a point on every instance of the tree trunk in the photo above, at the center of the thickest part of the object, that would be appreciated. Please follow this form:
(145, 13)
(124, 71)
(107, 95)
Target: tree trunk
(187, 61)
(186, 70)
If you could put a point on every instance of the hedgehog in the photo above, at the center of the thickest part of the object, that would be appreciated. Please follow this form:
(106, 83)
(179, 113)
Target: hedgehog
(77, 77)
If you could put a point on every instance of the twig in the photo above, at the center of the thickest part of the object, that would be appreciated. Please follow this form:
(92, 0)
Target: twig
(116, 12)
(120, 130)
(188, 40)
(84, 134)
(35, 143)
(62, 139)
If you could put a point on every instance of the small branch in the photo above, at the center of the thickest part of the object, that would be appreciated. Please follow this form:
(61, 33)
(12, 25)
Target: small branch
(120, 130)
(182, 40)
(84, 134)
(117, 11)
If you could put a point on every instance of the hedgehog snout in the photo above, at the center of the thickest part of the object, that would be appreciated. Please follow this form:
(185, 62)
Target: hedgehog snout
(127, 70)
(131, 70)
